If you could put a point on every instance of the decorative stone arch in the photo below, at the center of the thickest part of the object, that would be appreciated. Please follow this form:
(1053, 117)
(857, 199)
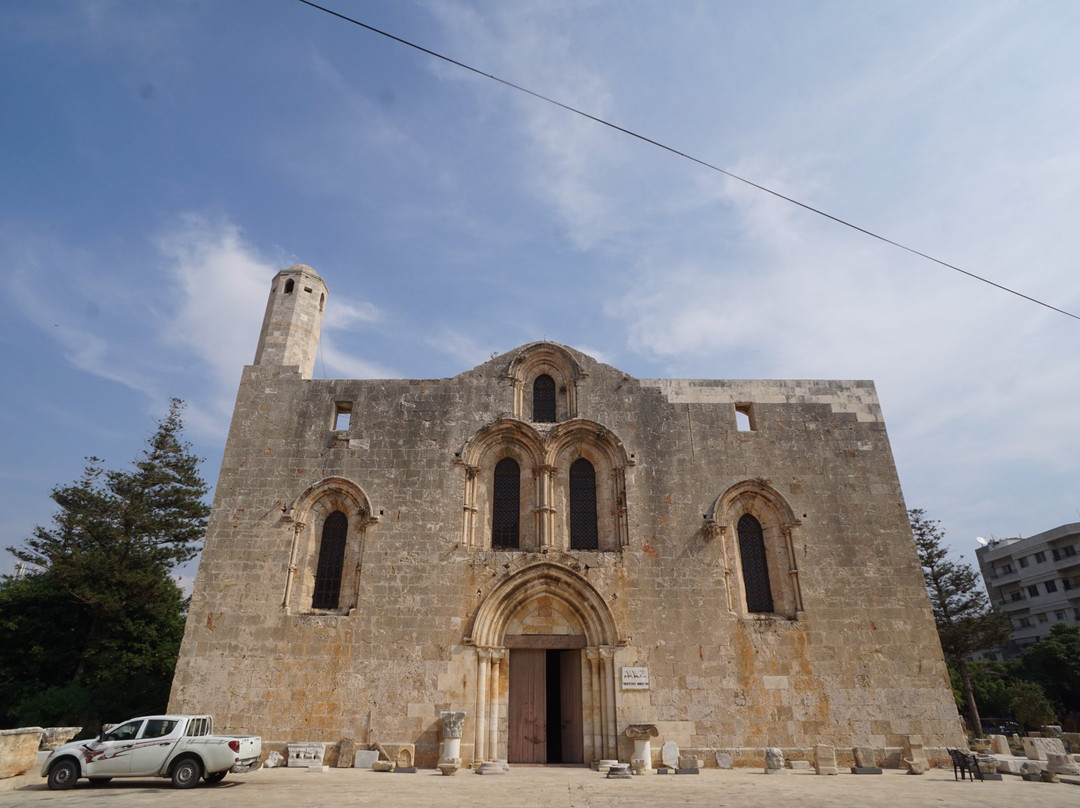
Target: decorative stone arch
(602, 448)
(506, 437)
(539, 359)
(578, 607)
(308, 514)
(778, 522)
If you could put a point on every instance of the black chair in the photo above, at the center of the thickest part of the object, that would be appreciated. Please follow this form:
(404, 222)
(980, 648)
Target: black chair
(965, 763)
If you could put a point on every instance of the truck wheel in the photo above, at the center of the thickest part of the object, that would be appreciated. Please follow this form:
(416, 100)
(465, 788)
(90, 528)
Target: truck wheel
(216, 777)
(63, 775)
(186, 773)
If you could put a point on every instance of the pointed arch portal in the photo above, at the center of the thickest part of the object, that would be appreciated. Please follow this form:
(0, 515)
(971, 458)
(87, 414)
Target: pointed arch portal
(551, 634)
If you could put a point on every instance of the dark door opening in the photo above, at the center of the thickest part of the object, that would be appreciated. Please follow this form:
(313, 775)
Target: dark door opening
(545, 706)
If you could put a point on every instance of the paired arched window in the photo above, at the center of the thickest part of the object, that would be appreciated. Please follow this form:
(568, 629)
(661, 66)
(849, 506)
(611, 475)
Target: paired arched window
(755, 565)
(544, 410)
(583, 529)
(327, 591)
(506, 504)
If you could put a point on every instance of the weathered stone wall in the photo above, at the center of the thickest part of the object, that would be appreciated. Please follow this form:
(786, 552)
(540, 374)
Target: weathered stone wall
(856, 662)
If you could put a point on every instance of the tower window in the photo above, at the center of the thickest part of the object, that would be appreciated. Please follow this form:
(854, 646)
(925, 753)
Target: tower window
(544, 399)
(755, 565)
(506, 504)
(331, 561)
(289, 284)
(583, 532)
(342, 415)
(744, 417)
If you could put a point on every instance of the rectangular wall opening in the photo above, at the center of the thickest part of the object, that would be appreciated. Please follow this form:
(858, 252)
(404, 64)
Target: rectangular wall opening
(744, 417)
(342, 415)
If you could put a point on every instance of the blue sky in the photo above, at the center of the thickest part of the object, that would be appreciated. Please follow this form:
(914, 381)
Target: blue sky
(159, 162)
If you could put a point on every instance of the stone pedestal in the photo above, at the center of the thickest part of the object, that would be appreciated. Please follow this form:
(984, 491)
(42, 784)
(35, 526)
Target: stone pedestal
(825, 759)
(453, 724)
(491, 767)
(619, 771)
(641, 761)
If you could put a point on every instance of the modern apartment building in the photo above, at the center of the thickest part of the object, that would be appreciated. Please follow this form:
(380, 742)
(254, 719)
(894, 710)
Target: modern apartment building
(1036, 581)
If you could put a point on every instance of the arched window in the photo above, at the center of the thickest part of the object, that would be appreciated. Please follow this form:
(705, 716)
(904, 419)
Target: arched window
(583, 532)
(331, 562)
(755, 566)
(506, 504)
(289, 284)
(544, 399)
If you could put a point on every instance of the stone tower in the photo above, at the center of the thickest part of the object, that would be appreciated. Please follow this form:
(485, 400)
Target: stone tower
(293, 320)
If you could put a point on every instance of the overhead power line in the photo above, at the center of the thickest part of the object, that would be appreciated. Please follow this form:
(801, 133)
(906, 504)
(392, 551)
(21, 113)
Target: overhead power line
(686, 156)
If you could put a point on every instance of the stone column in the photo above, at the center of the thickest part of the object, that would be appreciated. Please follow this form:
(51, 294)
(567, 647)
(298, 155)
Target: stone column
(497, 656)
(453, 725)
(545, 510)
(607, 683)
(595, 734)
(483, 662)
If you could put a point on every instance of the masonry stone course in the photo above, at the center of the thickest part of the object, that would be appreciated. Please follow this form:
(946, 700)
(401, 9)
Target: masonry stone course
(849, 657)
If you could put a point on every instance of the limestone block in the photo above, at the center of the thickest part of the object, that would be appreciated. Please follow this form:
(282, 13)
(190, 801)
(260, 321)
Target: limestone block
(669, 753)
(914, 755)
(799, 765)
(999, 745)
(619, 771)
(724, 760)
(18, 750)
(365, 758)
(53, 737)
(774, 761)
(402, 754)
(346, 753)
(382, 766)
(825, 759)
(1037, 748)
(490, 767)
(306, 754)
(1061, 764)
(273, 760)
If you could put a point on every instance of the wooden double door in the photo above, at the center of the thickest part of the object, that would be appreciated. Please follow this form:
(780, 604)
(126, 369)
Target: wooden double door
(545, 707)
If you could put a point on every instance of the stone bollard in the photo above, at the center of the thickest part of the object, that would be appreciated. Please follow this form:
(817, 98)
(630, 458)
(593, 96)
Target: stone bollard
(453, 724)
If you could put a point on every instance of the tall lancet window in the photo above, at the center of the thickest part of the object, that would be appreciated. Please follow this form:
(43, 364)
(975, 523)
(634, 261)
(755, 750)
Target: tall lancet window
(331, 562)
(583, 530)
(755, 566)
(506, 504)
(544, 399)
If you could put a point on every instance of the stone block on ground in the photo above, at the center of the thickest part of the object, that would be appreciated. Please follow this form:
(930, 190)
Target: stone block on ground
(53, 737)
(999, 745)
(669, 754)
(914, 755)
(825, 759)
(305, 754)
(774, 761)
(345, 752)
(274, 760)
(724, 760)
(18, 750)
(365, 758)
(1038, 748)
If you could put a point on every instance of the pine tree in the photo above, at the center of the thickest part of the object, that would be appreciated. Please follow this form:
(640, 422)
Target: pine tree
(105, 566)
(966, 623)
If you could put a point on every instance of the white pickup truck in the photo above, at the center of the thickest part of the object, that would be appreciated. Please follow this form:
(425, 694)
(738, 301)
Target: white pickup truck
(177, 746)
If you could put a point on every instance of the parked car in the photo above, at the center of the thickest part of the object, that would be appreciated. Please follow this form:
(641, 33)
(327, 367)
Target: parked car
(182, 747)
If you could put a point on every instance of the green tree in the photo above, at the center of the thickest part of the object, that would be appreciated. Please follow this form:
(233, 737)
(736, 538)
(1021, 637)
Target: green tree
(1054, 662)
(965, 621)
(1029, 704)
(101, 612)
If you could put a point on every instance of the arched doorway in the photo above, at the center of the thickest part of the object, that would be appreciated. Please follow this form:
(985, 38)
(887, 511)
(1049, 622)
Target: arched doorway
(544, 640)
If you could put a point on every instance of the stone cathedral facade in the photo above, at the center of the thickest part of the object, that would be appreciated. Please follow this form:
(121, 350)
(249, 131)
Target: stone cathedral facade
(561, 550)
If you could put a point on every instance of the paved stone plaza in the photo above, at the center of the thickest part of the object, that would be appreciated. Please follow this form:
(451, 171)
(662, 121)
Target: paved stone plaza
(553, 786)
